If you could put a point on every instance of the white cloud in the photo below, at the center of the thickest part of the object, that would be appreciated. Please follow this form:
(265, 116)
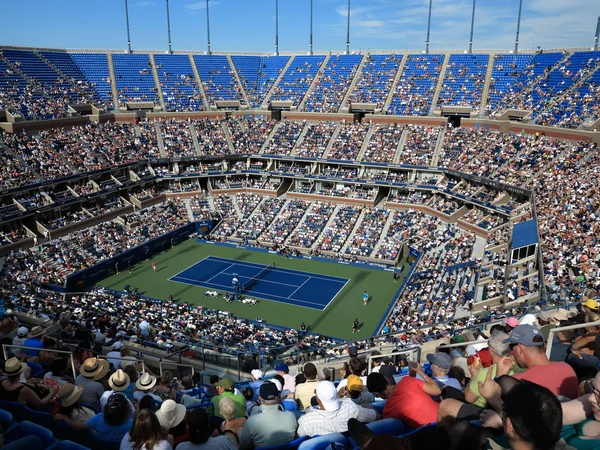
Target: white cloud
(143, 3)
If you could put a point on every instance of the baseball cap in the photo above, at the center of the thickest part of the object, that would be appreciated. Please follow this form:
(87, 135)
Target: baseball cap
(511, 322)
(327, 394)
(22, 331)
(591, 303)
(442, 360)
(354, 383)
(256, 373)
(282, 368)
(268, 391)
(117, 346)
(225, 383)
(524, 335)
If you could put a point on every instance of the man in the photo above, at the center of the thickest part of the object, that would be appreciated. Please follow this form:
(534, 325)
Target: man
(305, 391)
(332, 415)
(225, 388)
(376, 362)
(34, 340)
(143, 387)
(92, 370)
(561, 343)
(440, 366)
(256, 382)
(379, 386)
(365, 298)
(355, 326)
(118, 382)
(527, 346)
(272, 426)
(113, 357)
(144, 328)
(289, 381)
(19, 340)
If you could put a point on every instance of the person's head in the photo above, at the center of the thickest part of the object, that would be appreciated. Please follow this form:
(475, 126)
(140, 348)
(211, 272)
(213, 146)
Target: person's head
(440, 363)
(376, 361)
(146, 402)
(590, 305)
(13, 368)
(527, 345)
(512, 322)
(327, 396)
(116, 411)
(132, 372)
(248, 393)
(269, 393)
(459, 374)
(300, 378)
(225, 385)
(354, 386)
(166, 378)
(227, 408)
(379, 386)
(310, 371)
(49, 343)
(356, 366)
(499, 327)
(214, 379)
(146, 431)
(280, 379)
(282, 369)
(256, 374)
(199, 429)
(532, 415)
(68, 395)
(59, 366)
(498, 348)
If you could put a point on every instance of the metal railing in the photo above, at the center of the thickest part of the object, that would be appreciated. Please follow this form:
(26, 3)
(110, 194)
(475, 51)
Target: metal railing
(411, 351)
(23, 347)
(567, 328)
(120, 358)
(161, 364)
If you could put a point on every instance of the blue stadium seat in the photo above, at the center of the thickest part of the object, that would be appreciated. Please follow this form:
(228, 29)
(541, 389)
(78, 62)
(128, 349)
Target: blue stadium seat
(43, 419)
(27, 428)
(322, 442)
(37, 371)
(388, 426)
(289, 446)
(69, 445)
(17, 410)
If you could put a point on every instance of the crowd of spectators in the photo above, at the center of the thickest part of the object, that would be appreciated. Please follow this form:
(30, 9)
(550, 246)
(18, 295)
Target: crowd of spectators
(284, 139)
(316, 139)
(383, 144)
(348, 142)
(177, 137)
(419, 145)
(367, 234)
(285, 221)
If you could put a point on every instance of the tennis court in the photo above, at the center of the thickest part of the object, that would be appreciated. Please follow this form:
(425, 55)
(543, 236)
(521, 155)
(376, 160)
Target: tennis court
(294, 287)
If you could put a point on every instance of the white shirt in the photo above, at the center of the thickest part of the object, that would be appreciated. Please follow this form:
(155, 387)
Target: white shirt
(115, 362)
(126, 444)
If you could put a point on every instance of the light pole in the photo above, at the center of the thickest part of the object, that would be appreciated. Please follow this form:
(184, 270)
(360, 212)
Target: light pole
(597, 35)
(127, 22)
(428, 29)
(310, 42)
(207, 28)
(518, 27)
(169, 28)
(348, 31)
(277, 27)
(472, 26)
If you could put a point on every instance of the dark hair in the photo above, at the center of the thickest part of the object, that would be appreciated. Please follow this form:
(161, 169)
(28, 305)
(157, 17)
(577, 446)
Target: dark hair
(214, 379)
(49, 342)
(248, 393)
(146, 402)
(280, 379)
(500, 327)
(116, 411)
(146, 430)
(310, 371)
(535, 413)
(356, 366)
(58, 366)
(130, 370)
(458, 373)
(199, 426)
(376, 382)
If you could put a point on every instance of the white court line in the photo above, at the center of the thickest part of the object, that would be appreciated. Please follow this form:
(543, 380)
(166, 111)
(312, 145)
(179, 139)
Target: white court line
(227, 289)
(284, 270)
(262, 280)
(342, 288)
(189, 267)
(221, 272)
(299, 287)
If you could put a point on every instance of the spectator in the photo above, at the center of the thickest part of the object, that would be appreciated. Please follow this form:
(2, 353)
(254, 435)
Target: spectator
(146, 434)
(272, 425)
(92, 370)
(199, 434)
(143, 387)
(69, 396)
(256, 382)
(34, 340)
(440, 366)
(232, 427)
(118, 382)
(114, 356)
(379, 386)
(171, 415)
(290, 381)
(306, 391)
(13, 390)
(332, 415)
(225, 388)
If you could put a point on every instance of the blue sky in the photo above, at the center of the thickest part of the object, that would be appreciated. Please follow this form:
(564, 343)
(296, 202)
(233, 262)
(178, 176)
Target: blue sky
(249, 25)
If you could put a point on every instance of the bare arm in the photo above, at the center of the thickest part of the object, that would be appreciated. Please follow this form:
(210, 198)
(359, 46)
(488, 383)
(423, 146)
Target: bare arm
(75, 424)
(577, 410)
(430, 387)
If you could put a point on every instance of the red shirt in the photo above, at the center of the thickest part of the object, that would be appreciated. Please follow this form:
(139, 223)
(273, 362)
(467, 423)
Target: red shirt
(411, 404)
(559, 377)
(485, 357)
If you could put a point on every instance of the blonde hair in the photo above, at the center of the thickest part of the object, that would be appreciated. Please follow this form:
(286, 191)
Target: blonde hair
(227, 408)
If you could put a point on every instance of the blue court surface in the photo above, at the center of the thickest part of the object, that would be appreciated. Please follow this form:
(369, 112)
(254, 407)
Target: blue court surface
(295, 287)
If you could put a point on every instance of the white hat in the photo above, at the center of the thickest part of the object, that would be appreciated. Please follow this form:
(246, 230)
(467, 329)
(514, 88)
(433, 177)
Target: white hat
(22, 331)
(328, 396)
(256, 373)
(528, 319)
(117, 346)
(170, 414)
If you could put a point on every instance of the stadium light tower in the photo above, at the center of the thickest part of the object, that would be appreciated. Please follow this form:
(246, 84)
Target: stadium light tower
(518, 27)
(169, 28)
(277, 27)
(127, 23)
(472, 26)
(428, 28)
(310, 42)
(348, 31)
(207, 29)
(597, 35)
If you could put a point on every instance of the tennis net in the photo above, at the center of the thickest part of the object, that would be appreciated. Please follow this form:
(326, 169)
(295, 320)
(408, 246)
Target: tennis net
(252, 281)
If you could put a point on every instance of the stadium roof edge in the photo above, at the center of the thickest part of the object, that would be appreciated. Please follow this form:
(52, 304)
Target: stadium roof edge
(283, 53)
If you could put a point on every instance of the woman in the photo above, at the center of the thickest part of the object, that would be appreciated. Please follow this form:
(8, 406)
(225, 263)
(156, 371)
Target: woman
(199, 430)
(168, 386)
(146, 434)
(12, 390)
(133, 376)
(46, 357)
(232, 427)
(110, 425)
(171, 416)
(69, 396)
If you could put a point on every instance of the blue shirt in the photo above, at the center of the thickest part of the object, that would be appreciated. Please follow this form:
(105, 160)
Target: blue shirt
(365, 296)
(100, 429)
(33, 342)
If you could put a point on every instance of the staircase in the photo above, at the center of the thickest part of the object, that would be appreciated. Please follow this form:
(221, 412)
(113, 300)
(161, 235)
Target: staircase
(29, 80)
(237, 79)
(344, 107)
(365, 144)
(314, 82)
(350, 238)
(236, 207)
(486, 85)
(265, 102)
(159, 139)
(400, 147)
(438, 147)
(300, 139)
(392, 88)
(113, 80)
(228, 137)
(331, 141)
(195, 139)
(384, 232)
(199, 81)
(161, 99)
(440, 83)
(268, 140)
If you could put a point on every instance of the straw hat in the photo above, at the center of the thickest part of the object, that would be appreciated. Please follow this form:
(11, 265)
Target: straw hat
(94, 368)
(13, 367)
(119, 381)
(170, 414)
(145, 382)
(36, 332)
(69, 394)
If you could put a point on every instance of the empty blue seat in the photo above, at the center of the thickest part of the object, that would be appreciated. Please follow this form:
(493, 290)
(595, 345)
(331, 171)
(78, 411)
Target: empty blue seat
(69, 445)
(322, 442)
(387, 426)
(16, 409)
(37, 371)
(289, 446)
(27, 428)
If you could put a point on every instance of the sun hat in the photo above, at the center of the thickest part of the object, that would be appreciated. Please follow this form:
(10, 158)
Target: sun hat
(94, 368)
(225, 383)
(528, 319)
(327, 394)
(69, 394)
(170, 414)
(591, 303)
(13, 367)
(36, 332)
(119, 381)
(145, 382)
(354, 383)
(525, 335)
(22, 332)
(256, 373)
